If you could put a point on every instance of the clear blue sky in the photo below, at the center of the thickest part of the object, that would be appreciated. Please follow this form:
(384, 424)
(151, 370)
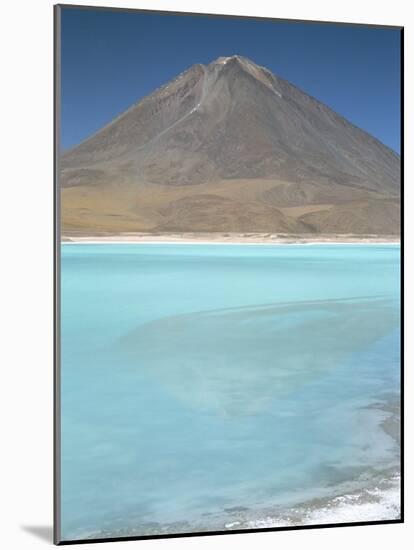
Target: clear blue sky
(112, 59)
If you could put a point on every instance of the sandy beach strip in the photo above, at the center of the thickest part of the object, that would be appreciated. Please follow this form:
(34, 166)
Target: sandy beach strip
(226, 238)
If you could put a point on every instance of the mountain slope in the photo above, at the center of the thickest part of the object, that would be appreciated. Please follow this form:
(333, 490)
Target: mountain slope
(230, 147)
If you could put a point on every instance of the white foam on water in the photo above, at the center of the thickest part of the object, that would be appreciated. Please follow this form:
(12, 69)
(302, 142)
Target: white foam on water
(374, 504)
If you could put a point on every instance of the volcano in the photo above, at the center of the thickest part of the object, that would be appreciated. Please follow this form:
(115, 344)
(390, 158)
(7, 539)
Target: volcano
(230, 147)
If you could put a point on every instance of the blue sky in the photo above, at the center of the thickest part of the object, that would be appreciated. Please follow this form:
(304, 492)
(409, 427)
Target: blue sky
(112, 59)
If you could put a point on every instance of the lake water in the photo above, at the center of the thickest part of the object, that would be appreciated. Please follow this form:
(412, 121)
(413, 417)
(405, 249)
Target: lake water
(211, 387)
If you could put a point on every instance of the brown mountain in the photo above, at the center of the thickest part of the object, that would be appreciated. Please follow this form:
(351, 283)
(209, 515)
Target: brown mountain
(230, 147)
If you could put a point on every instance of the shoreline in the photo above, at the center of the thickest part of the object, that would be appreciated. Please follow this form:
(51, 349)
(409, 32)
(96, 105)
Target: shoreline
(377, 500)
(227, 238)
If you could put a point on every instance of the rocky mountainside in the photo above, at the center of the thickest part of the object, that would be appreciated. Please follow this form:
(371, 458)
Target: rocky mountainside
(230, 147)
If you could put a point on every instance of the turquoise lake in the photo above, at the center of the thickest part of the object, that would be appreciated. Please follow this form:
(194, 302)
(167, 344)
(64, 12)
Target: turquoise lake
(208, 387)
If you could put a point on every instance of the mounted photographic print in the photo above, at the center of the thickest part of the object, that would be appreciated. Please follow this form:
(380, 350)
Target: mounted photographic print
(228, 268)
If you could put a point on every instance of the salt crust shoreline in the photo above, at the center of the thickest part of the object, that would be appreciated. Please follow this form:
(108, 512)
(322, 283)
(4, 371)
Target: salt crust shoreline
(227, 238)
